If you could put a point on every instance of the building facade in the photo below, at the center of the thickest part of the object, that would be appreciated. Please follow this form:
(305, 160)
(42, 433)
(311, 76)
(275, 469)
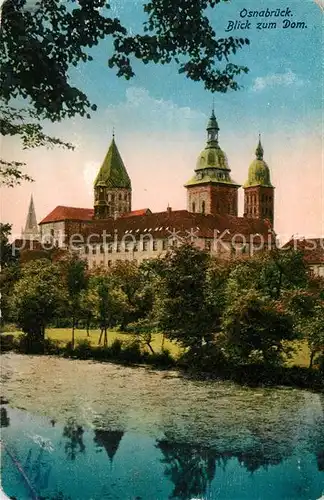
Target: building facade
(111, 231)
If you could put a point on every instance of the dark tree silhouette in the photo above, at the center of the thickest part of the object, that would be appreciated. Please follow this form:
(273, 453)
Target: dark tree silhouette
(74, 439)
(191, 468)
(4, 419)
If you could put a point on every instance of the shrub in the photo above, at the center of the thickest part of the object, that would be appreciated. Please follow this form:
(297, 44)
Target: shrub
(116, 347)
(161, 359)
(83, 349)
(131, 353)
(8, 343)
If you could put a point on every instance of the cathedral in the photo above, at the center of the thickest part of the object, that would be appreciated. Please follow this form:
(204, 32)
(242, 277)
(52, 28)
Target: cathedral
(112, 231)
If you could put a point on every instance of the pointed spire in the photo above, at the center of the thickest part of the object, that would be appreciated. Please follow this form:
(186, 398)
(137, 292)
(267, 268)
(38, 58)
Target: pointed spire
(113, 173)
(259, 150)
(212, 128)
(31, 226)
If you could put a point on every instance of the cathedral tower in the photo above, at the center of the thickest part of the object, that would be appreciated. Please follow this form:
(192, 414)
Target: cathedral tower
(31, 231)
(112, 187)
(211, 190)
(258, 190)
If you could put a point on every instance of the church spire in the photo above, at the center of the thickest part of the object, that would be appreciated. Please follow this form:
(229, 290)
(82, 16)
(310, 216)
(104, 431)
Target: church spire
(31, 227)
(212, 129)
(259, 150)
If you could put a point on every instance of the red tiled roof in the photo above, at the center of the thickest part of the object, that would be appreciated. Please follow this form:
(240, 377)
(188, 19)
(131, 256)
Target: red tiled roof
(61, 213)
(162, 224)
(312, 248)
(142, 211)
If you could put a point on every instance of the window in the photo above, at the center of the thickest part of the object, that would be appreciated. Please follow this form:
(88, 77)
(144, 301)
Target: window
(145, 245)
(102, 250)
(112, 197)
(110, 247)
(154, 245)
(125, 197)
(118, 247)
(135, 249)
(164, 244)
(101, 262)
(94, 250)
(109, 263)
(86, 249)
(194, 207)
(203, 207)
(120, 196)
(174, 243)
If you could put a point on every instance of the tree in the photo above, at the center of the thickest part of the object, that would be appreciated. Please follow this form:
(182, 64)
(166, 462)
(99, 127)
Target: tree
(75, 273)
(111, 302)
(40, 41)
(307, 307)
(7, 254)
(254, 325)
(37, 296)
(183, 312)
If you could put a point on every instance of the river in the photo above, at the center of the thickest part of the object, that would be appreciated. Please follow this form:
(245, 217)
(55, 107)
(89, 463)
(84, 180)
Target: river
(84, 430)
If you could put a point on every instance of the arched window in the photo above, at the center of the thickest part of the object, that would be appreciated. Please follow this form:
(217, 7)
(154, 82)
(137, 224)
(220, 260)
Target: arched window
(203, 207)
(194, 207)
(120, 196)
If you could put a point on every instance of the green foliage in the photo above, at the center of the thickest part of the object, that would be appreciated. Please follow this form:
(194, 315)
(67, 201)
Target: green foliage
(183, 313)
(7, 255)
(254, 325)
(40, 41)
(37, 297)
(83, 349)
(38, 49)
(75, 273)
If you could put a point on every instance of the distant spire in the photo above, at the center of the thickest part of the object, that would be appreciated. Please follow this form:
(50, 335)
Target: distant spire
(259, 150)
(113, 132)
(31, 227)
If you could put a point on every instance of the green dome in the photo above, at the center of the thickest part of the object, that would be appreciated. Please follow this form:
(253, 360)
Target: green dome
(259, 172)
(212, 157)
(212, 165)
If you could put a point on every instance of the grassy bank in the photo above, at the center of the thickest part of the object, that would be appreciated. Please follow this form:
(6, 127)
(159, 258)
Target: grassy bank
(301, 356)
(124, 349)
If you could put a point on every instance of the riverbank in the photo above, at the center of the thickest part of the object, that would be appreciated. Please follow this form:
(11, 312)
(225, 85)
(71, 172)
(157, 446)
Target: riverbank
(208, 366)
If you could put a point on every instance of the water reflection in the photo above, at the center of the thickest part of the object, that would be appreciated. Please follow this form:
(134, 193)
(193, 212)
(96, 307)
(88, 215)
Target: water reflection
(191, 468)
(166, 437)
(73, 433)
(109, 440)
(4, 419)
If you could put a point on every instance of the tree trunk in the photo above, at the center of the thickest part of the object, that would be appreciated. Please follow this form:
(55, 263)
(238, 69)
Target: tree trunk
(73, 326)
(162, 345)
(311, 361)
(101, 332)
(150, 347)
(105, 337)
